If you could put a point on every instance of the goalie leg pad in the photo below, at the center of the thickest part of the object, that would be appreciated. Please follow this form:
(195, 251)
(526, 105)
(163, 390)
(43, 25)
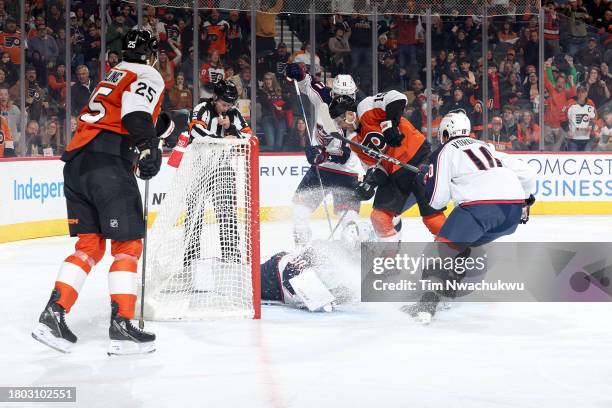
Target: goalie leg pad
(311, 291)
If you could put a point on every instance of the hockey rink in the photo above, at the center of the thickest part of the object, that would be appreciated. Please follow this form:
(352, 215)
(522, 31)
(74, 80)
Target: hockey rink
(371, 355)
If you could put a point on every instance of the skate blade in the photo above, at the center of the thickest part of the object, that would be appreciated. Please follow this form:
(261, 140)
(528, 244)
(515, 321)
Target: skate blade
(43, 334)
(128, 347)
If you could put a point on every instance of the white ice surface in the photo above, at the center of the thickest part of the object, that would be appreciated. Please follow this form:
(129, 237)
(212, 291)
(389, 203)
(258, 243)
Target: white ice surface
(474, 355)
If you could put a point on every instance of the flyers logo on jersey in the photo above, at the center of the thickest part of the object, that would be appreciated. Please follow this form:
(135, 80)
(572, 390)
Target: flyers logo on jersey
(582, 118)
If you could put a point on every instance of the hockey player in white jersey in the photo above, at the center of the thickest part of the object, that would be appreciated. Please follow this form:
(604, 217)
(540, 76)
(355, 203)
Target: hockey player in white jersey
(338, 167)
(491, 193)
(581, 117)
(320, 276)
(378, 124)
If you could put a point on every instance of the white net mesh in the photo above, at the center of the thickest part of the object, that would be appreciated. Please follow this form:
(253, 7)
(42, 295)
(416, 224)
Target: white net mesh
(202, 255)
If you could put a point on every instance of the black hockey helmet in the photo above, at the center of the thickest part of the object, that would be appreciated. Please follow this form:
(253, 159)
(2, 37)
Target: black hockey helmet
(138, 45)
(226, 91)
(342, 104)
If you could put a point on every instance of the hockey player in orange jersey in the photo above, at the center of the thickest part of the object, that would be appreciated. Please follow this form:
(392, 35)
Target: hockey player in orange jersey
(116, 138)
(7, 148)
(379, 124)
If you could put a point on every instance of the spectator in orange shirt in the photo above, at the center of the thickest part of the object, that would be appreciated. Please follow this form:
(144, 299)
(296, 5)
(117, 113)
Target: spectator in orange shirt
(10, 39)
(7, 149)
(528, 133)
(57, 83)
(555, 113)
(216, 33)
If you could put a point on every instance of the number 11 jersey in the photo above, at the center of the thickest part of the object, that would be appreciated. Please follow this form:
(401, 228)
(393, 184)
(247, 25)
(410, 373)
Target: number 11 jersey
(127, 88)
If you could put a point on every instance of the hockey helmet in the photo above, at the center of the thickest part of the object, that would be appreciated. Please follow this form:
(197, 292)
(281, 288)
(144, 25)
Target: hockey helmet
(138, 45)
(226, 91)
(343, 85)
(454, 124)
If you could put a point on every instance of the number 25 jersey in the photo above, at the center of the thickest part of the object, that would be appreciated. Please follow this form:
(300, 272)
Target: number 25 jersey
(127, 88)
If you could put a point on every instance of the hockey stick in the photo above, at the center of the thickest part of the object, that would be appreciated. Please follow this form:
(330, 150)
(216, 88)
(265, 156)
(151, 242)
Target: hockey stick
(299, 95)
(329, 127)
(375, 153)
(144, 254)
(331, 236)
(145, 217)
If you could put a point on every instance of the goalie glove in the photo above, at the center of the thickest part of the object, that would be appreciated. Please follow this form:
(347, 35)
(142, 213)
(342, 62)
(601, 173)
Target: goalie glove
(528, 203)
(149, 159)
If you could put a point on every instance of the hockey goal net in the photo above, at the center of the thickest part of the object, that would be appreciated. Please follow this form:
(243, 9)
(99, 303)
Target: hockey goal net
(203, 250)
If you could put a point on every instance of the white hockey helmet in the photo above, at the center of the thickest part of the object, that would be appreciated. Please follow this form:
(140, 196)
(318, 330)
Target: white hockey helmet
(454, 124)
(344, 85)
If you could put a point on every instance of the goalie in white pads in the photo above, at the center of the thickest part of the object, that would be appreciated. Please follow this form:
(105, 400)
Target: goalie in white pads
(337, 165)
(320, 276)
(491, 193)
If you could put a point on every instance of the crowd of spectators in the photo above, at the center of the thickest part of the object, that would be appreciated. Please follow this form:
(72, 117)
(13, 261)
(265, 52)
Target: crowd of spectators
(578, 53)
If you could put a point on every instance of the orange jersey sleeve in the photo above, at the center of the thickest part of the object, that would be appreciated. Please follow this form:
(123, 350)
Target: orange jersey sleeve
(6, 139)
(127, 88)
(371, 113)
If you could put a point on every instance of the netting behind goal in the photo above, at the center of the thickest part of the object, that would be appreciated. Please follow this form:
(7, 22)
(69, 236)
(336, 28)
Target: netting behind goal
(203, 249)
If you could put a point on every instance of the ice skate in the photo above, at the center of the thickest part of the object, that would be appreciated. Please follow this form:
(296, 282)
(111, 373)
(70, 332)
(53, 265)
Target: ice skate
(52, 329)
(125, 338)
(424, 310)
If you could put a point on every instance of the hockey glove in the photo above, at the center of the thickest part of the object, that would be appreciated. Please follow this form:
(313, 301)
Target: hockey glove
(342, 157)
(374, 177)
(149, 159)
(528, 203)
(316, 155)
(393, 137)
(295, 71)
